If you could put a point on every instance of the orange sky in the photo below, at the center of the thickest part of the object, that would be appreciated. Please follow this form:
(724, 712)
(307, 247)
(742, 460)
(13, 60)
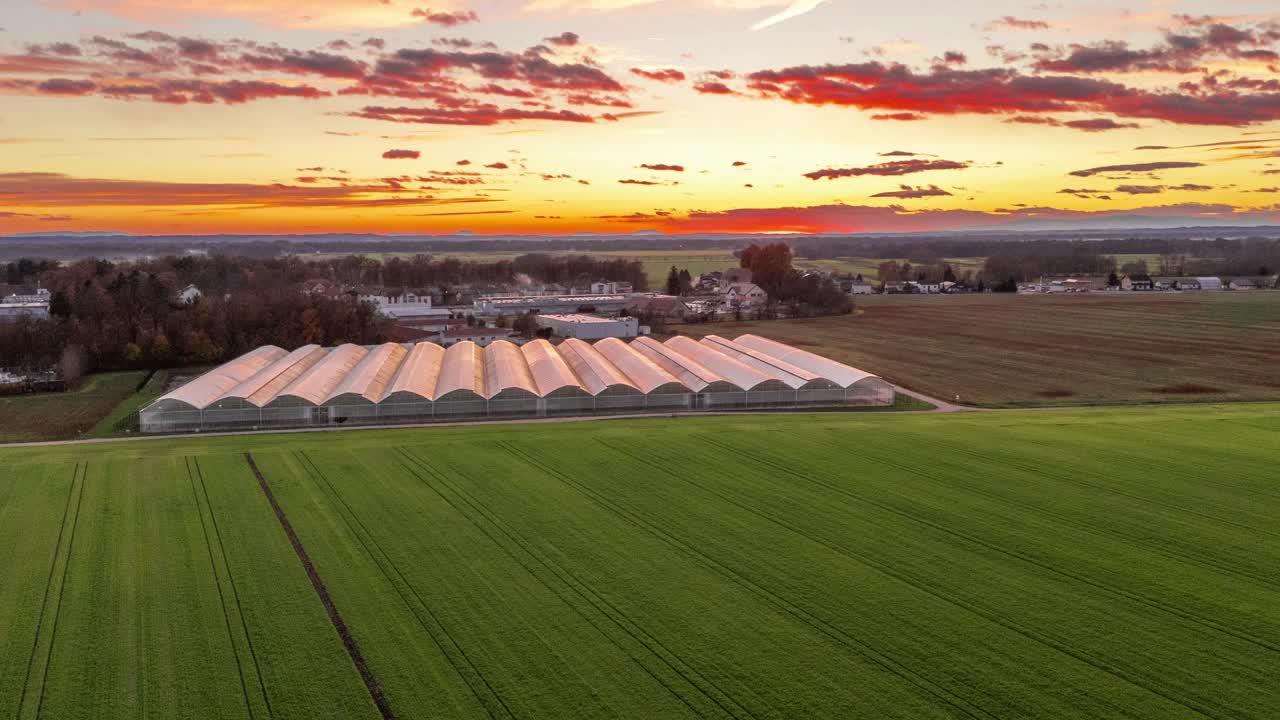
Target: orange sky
(562, 116)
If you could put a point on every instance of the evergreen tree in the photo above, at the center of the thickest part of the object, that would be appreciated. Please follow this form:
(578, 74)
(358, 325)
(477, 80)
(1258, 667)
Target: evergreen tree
(673, 281)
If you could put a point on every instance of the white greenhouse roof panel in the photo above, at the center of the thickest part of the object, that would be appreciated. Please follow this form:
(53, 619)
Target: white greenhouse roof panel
(425, 372)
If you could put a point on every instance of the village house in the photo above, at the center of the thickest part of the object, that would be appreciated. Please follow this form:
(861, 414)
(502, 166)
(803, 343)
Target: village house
(1137, 282)
(607, 287)
(189, 294)
(745, 295)
(860, 287)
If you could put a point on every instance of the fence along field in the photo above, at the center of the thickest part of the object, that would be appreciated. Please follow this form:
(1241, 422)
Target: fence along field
(1058, 564)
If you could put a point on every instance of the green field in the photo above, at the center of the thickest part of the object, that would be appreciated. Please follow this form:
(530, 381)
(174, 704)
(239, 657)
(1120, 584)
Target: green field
(657, 263)
(1018, 350)
(60, 416)
(1036, 564)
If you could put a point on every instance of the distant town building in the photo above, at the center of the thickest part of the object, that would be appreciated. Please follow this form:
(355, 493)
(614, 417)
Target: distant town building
(744, 295)
(658, 305)
(479, 335)
(861, 287)
(39, 295)
(607, 287)
(12, 312)
(590, 327)
(189, 294)
(32, 305)
(1137, 282)
(520, 304)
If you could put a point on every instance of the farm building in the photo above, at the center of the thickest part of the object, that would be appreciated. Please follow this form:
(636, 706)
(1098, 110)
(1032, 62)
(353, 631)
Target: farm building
(590, 327)
(424, 382)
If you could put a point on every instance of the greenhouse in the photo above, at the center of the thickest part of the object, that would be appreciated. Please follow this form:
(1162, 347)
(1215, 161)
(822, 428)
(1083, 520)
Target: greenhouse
(422, 382)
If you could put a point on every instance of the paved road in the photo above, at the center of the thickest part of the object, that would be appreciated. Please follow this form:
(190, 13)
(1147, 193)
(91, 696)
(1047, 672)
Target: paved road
(938, 405)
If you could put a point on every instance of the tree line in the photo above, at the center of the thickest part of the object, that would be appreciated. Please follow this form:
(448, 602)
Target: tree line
(122, 315)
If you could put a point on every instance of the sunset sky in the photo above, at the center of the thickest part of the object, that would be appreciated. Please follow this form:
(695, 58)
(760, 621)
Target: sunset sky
(562, 116)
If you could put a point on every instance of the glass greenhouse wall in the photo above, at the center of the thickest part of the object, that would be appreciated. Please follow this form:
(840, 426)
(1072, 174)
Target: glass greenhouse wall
(391, 384)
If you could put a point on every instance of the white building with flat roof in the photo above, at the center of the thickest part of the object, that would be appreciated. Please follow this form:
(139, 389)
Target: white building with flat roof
(590, 327)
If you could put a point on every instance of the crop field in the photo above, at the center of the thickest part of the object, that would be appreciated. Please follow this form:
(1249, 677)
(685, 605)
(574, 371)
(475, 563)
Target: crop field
(1040, 564)
(1097, 348)
(60, 416)
(657, 263)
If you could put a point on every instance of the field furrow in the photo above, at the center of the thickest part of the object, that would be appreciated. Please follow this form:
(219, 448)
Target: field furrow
(1048, 565)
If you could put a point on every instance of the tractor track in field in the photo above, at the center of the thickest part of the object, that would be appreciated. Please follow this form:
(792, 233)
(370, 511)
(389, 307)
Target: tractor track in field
(924, 586)
(577, 586)
(222, 600)
(62, 589)
(53, 565)
(318, 477)
(1075, 480)
(586, 593)
(235, 592)
(967, 537)
(1069, 521)
(921, 684)
(317, 583)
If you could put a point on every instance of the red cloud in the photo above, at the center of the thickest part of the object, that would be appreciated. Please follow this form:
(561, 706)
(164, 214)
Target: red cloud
(498, 166)
(176, 71)
(713, 88)
(476, 115)
(63, 86)
(888, 169)
(308, 63)
(948, 91)
(901, 117)
(401, 155)
(840, 218)
(447, 19)
(663, 166)
(668, 75)
(739, 163)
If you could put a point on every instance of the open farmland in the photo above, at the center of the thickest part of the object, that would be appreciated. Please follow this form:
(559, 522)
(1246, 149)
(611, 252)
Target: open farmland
(64, 415)
(1098, 348)
(1065, 564)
